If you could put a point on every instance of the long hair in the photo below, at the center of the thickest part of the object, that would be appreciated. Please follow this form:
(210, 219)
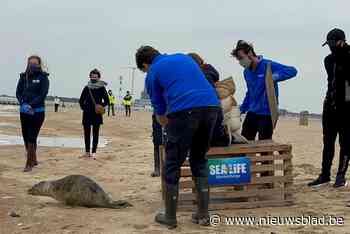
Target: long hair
(198, 59)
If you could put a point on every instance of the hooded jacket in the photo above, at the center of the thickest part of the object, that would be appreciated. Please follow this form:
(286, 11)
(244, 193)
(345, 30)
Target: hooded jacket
(338, 71)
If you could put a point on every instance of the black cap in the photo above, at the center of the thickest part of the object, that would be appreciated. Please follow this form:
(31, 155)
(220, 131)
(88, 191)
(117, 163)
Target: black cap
(334, 36)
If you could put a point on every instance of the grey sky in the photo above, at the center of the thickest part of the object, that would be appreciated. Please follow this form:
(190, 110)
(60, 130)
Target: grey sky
(75, 36)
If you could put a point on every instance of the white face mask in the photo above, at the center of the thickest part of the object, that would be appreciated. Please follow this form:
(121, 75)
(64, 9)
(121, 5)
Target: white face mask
(245, 62)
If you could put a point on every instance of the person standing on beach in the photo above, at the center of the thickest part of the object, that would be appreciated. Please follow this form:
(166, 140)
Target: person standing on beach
(32, 89)
(336, 106)
(187, 106)
(57, 103)
(93, 98)
(258, 119)
(127, 101)
(111, 102)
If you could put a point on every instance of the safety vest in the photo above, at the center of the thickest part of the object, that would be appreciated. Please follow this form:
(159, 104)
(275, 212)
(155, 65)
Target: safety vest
(127, 101)
(111, 99)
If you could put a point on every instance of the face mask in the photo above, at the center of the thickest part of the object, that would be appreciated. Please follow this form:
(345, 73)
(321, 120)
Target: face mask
(93, 81)
(245, 62)
(33, 68)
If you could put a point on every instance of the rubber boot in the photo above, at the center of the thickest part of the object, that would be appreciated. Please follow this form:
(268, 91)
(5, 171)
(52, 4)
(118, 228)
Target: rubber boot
(156, 172)
(168, 216)
(340, 180)
(30, 158)
(202, 214)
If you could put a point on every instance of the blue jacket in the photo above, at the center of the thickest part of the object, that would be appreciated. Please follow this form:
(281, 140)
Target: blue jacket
(256, 98)
(175, 83)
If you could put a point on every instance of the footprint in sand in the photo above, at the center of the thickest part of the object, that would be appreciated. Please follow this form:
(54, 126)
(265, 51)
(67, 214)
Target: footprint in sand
(308, 168)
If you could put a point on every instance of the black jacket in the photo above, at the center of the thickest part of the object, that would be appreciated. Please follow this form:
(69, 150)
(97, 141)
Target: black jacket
(32, 89)
(86, 104)
(338, 70)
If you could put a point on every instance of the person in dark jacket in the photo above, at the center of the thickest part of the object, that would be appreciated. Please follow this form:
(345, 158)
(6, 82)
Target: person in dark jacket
(258, 119)
(32, 89)
(95, 91)
(220, 136)
(336, 106)
(186, 105)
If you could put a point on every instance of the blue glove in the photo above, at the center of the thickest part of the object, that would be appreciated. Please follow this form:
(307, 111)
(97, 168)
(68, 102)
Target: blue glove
(26, 109)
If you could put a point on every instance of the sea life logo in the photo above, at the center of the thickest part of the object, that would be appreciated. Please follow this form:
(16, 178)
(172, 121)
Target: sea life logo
(229, 171)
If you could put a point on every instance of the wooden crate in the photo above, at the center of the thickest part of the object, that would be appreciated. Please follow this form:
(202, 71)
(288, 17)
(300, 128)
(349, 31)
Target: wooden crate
(271, 178)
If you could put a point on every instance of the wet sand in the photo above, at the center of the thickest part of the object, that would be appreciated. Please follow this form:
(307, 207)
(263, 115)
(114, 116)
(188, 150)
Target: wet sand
(123, 168)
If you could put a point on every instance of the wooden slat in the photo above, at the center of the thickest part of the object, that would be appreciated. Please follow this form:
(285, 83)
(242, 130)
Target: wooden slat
(288, 172)
(262, 158)
(254, 180)
(252, 147)
(237, 194)
(241, 205)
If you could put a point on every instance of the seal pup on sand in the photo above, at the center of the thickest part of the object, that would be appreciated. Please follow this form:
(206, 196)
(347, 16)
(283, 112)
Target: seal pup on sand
(77, 190)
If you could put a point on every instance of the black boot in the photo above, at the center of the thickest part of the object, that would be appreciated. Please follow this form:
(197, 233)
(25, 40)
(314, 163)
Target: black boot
(340, 180)
(202, 215)
(156, 172)
(168, 217)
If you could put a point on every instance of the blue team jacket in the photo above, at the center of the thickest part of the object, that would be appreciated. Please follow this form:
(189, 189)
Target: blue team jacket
(256, 98)
(175, 83)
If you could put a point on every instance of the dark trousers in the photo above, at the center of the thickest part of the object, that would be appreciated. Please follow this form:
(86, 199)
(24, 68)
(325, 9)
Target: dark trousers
(334, 124)
(188, 131)
(257, 124)
(220, 137)
(128, 110)
(157, 135)
(87, 137)
(56, 107)
(111, 107)
(31, 125)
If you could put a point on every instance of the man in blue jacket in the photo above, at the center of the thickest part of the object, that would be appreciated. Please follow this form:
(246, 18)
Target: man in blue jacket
(255, 104)
(186, 105)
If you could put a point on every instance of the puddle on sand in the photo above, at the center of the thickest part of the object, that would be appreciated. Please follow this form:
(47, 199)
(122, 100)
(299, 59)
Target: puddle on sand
(8, 125)
(65, 142)
(8, 114)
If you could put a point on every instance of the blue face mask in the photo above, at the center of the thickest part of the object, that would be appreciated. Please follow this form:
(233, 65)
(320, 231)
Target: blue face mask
(33, 68)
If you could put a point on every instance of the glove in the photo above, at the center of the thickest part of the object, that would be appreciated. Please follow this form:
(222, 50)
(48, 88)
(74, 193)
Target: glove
(26, 109)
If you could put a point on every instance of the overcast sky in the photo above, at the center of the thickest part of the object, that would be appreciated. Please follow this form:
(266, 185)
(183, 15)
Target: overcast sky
(74, 37)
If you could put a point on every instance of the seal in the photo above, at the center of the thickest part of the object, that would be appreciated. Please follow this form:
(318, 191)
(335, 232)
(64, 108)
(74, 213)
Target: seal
(77, 190)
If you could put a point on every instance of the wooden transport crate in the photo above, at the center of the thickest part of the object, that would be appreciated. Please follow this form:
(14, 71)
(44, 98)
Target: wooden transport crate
(271, 178)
